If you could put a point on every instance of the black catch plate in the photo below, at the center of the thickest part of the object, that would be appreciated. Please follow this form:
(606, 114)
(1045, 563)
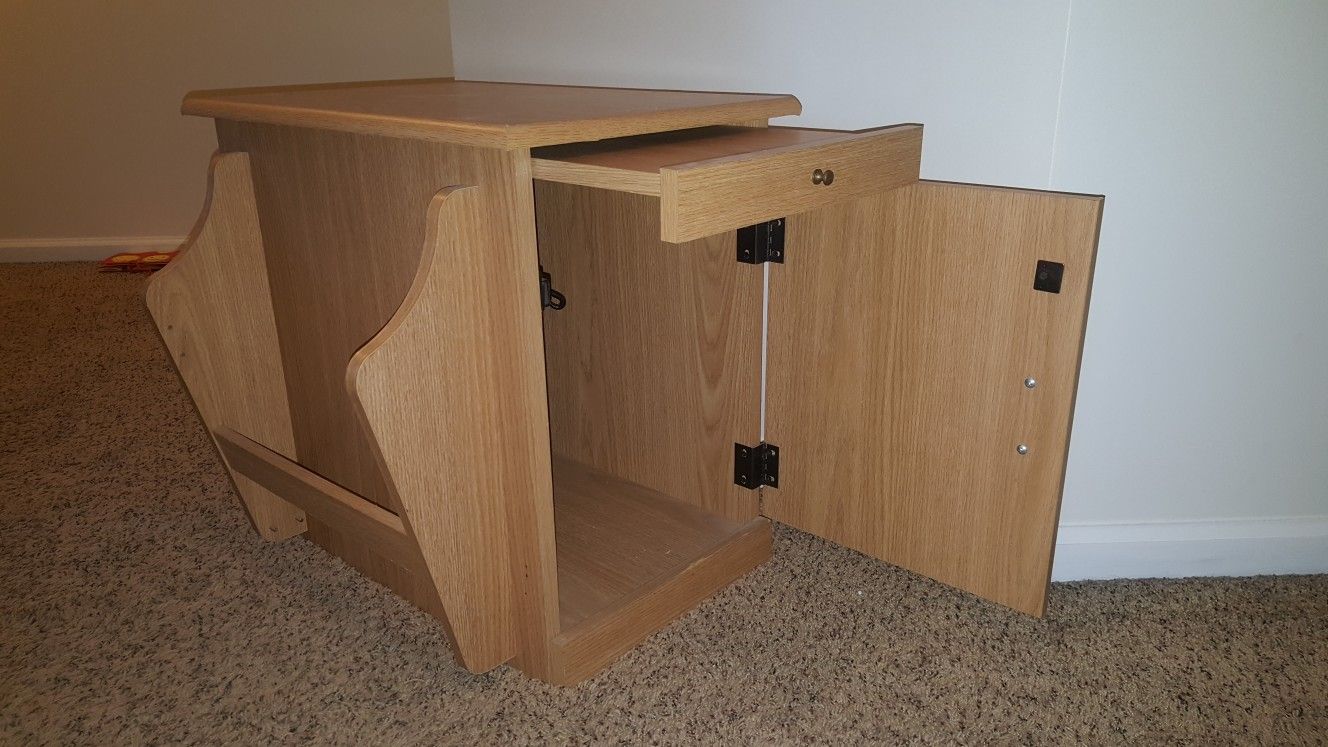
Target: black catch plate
(1048, 276)
(763, 242)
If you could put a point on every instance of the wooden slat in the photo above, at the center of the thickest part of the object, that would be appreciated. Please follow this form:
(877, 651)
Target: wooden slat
(213, 307)
(340, 509)
(632, 164)
(720, 194)
(492, 115)
(452, 392)
(654, 365)
(595, 175)
(366, 537)
(901, 332)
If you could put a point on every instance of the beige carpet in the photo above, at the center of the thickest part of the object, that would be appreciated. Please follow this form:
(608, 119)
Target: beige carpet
(136, 606)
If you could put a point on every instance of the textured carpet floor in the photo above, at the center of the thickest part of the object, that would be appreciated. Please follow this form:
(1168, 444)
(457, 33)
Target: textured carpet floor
(136, 606)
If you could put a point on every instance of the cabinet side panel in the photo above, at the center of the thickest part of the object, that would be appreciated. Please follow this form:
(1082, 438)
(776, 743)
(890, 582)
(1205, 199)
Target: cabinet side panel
(902, 329)
(654, 365)
(459, 423)
(343, 221)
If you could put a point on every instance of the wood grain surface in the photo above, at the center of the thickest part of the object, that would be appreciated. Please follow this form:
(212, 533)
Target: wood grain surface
(630, 560)
(714, 179)
(379, 529)
(725, 193)
(343, 220)
(452, 391)
(616, 538)
(492, 115)
(213, 308)
(639, 155)
(654, 365)
(902, 328)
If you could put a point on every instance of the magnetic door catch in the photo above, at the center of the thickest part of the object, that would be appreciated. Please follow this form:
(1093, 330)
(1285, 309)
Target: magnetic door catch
(1047, 277)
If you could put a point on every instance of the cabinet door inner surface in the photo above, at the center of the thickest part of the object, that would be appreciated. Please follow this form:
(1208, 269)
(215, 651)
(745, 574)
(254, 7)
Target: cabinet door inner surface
(910, 357)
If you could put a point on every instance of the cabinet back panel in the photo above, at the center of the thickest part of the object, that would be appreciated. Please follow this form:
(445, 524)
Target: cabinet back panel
(654, 365)
(902, 328)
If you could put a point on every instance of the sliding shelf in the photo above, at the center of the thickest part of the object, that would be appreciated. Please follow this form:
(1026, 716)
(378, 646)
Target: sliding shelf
(715, 179)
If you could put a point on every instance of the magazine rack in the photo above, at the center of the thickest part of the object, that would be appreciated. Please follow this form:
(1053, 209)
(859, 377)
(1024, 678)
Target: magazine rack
(760, 323)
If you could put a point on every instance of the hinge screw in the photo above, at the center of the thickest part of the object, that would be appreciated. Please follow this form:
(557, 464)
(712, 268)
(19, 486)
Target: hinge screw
(1030, 382)
(1022, 449)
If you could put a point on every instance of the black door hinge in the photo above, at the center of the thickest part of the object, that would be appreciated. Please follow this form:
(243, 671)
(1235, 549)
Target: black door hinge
(754, 466)
(763, 242)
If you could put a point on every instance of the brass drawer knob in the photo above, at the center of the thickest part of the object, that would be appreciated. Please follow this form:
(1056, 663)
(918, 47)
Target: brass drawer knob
(826, 177)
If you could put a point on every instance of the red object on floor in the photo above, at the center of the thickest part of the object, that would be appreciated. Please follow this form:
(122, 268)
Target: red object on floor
(137, 261)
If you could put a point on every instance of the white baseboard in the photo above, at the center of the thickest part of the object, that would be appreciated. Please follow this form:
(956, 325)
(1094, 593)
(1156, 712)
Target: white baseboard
(1175, 549)
(82, 249)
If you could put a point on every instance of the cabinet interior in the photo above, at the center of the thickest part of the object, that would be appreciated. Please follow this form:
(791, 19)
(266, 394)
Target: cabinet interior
(653, 374)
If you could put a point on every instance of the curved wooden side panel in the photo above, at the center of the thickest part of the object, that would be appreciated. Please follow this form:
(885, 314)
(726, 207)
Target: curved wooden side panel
(213, 308)
(435, 390)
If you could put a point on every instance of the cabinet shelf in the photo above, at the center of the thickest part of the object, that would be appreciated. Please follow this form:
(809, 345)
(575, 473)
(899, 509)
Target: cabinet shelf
(630, 559)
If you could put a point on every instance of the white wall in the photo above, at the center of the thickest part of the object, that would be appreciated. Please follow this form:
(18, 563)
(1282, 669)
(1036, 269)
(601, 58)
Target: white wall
(94, 154)
(1201, 436)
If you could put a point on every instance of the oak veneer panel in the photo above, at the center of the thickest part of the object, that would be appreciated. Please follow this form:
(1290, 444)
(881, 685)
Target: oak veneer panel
(654, 365)
(415, 586)
(343, 221)
(213, 308)
(616, 538)
(630, 560)
(368, 538)
(584, 649)
(379, 529)
(452, 392)
(494, 115)
(902, 328)
(632, 164)
(715, 179)
(718, 194)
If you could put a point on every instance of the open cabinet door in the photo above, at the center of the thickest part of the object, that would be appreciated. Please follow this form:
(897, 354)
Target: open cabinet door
(920, 388)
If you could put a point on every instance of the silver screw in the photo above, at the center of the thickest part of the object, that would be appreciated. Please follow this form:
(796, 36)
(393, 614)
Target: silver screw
(1030, 382)
(1022, 448)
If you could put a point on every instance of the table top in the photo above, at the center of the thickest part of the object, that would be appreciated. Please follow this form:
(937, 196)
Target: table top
(488, 114)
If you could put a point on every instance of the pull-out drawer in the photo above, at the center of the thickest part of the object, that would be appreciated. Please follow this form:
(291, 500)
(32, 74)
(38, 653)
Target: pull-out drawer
(715, 179)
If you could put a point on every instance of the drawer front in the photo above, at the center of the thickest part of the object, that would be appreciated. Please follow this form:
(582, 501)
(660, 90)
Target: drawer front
(707, 197)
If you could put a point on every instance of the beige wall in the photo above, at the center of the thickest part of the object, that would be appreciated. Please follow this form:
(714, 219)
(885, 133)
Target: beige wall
(92, 143)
